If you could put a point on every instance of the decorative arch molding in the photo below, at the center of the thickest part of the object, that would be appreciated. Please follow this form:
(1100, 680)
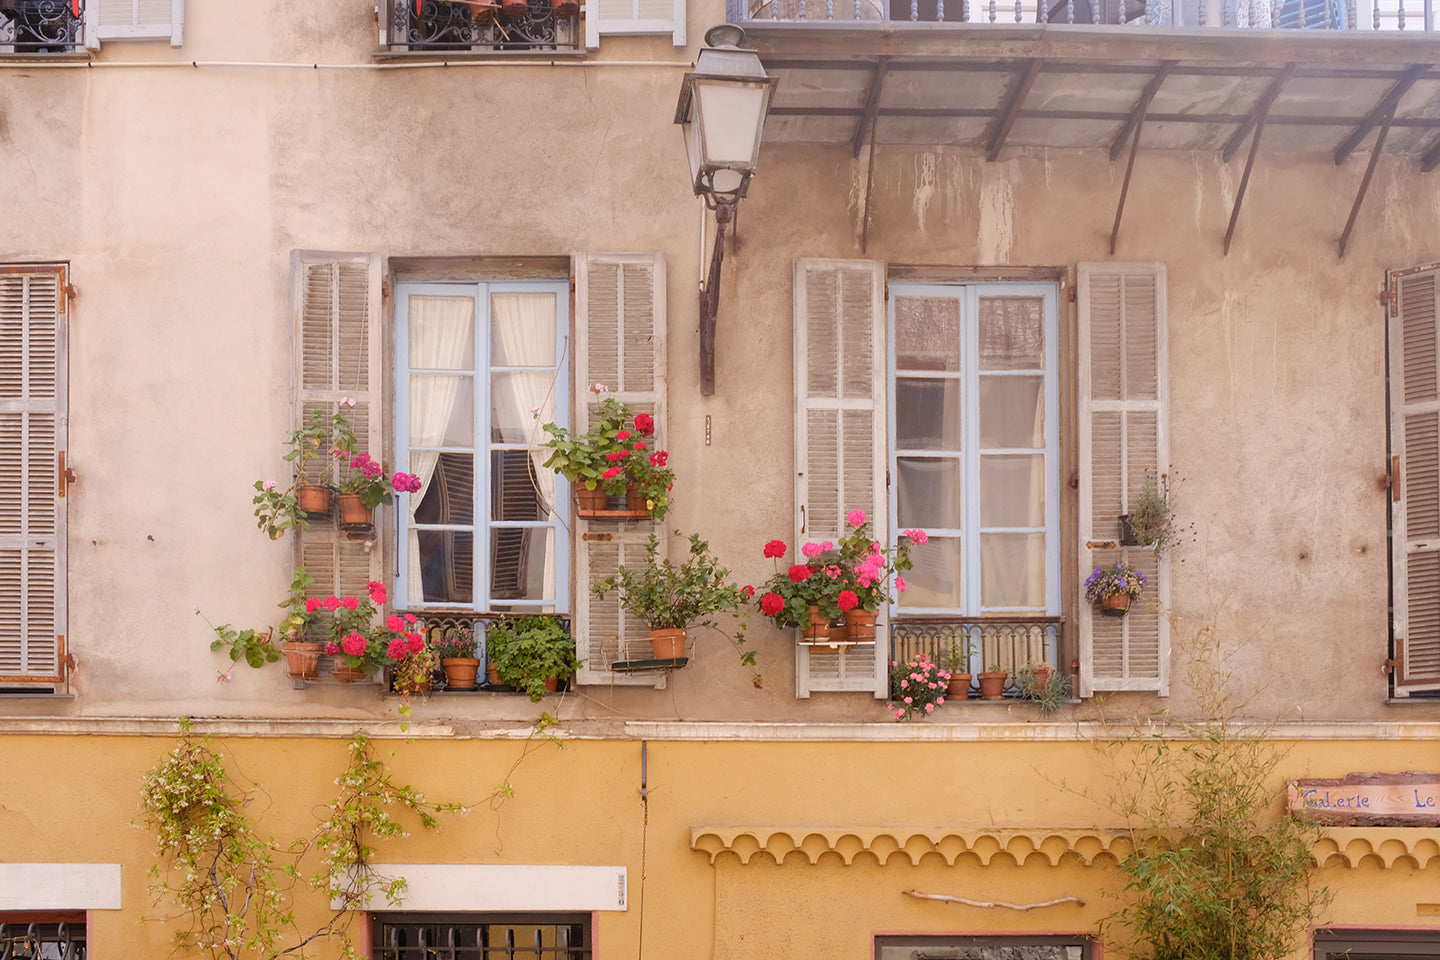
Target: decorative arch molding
(1386, 847)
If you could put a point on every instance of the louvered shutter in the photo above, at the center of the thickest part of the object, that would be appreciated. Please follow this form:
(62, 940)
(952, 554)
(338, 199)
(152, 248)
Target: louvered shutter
(839, 436)
(634, 16)
(338, 356)
(1123, 420)
(32, 499)
(137, 19)
(620, 342)
(1415, 508)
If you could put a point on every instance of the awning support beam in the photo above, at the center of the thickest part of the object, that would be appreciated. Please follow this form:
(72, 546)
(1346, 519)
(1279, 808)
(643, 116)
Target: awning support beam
(1257, 116)
(1384, 109)
(1012, 109)
(1133, 125)
(1365, 182)
(872, 107)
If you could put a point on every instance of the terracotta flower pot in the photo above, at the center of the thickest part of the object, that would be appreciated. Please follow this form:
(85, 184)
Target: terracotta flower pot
(353, 512)
(460, 672)
(493, 674)
(668, 644)
(313, 501)
(302, 659)
(590, 501)
(1115, 605)
(860, 625)
(958, 687)
(349, 674)
(552, 684)
(992, 685)
(634, 499)
(819, 626)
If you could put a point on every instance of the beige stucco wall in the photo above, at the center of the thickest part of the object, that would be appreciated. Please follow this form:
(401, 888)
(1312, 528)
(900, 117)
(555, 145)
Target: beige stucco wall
(178, 194)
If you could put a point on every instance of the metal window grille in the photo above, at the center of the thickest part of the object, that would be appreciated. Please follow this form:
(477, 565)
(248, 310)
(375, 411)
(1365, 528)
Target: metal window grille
(41, 26)
(482, 937)
(42, 941)
(1012, 644)
(469, 26)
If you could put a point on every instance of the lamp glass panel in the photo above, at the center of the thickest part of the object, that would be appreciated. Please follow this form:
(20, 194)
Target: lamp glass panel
(730, 115)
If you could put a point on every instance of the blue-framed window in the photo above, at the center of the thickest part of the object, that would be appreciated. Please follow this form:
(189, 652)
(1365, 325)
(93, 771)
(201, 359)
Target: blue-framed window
(480, 366)
(974, 445)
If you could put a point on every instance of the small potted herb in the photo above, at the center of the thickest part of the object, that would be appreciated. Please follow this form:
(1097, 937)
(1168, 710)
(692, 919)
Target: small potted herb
(956, 657)
(1151, 521)
(992, 682)
(1044, 686)
(322, 437)
(1114, 588)
(532, 653)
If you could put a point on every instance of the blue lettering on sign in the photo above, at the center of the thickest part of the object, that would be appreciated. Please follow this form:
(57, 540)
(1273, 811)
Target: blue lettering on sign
(1423, 802)
(1328, 801)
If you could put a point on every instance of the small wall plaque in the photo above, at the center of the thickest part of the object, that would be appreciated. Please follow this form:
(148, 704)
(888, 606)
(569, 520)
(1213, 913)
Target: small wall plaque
(1370, 799)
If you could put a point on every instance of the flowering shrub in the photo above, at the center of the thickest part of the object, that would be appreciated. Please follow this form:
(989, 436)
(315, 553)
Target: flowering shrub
(457, 643)
(917, 687)
(865, 566)
(618, 450)
(367, 480)
(1112, 581)
(350, 632)
(788, 596)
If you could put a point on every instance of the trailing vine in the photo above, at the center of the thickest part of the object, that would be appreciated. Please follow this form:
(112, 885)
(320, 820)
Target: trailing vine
(237, 889)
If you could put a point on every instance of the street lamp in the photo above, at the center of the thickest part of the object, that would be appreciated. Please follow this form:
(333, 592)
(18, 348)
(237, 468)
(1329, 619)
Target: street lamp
(721, 113)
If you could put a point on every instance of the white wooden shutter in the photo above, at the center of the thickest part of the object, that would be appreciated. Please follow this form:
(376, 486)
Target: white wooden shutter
(32, 496)
(634, 16)
(338, 354)
(1415, 506)
(620, 342)
(136, 19)
(840, 434)
(1124, 426)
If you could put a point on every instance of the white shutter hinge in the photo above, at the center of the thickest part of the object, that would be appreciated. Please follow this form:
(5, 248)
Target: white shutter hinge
(64, 475)
(1101, 544)
(1388, 667)
(596, 537)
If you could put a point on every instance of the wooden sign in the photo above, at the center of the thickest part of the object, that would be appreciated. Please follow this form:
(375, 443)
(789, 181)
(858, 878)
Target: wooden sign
(1370, 799)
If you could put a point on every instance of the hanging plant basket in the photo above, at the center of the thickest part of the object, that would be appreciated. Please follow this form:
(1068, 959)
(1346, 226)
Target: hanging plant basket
(860, 625)
(313, 501)
(667, 644)
(1115, 605)
(354, 515)
(597, 505)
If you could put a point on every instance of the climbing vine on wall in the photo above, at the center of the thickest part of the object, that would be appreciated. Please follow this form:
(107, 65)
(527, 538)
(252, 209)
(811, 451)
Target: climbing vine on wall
(233, 891)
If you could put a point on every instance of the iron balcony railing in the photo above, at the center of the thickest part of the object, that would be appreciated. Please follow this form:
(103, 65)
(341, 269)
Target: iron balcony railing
(42, 941)
(480, 26)
(1010, 644)
(1360, 15)
(41, 26)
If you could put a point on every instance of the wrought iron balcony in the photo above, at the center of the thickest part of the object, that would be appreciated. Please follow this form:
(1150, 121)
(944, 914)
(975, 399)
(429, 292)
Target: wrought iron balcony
(41, 26)
(1009, 644)
(1357, 15)
(480, 26)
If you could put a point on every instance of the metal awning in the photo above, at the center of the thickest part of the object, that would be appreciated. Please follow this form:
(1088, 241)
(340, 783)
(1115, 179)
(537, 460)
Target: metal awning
(995, 88)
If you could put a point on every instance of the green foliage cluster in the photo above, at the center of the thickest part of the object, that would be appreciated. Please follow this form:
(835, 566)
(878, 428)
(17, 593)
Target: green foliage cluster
(1048, 690)
(276, 508)
(528, 650)
(1218, 871)
(234, 890)
(1152, 515)
(675, 596)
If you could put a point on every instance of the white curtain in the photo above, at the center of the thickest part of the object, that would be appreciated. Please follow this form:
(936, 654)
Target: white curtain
(523, 335)
(441, 335)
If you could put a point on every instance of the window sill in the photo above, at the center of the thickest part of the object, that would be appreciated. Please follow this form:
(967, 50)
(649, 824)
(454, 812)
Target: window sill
(461, 57)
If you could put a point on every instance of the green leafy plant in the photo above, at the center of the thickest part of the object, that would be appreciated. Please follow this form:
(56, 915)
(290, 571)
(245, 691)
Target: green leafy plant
(683, 596)
(252, 646)
(234, 891)
(322, 437)
(366, 479)
(1218, 871)
(528, 650)
(1047, 689)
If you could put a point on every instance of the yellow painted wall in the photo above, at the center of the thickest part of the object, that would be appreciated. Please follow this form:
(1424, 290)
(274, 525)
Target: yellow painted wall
(885, 818)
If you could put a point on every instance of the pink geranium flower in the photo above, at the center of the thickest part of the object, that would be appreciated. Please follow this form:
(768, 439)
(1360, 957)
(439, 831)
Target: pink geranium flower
(856, 518)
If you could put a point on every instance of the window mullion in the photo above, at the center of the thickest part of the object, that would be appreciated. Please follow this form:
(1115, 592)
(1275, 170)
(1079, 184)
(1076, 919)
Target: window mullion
(483, 453)
(970, 445)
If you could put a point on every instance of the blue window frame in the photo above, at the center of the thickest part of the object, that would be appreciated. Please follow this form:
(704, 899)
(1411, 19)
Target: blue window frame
(480, 366)
(974, 445)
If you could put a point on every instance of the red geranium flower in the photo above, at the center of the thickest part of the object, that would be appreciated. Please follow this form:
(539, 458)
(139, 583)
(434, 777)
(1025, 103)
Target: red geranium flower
(617, 455)
(645, 423)
(799, 573)
(622, 435)
(659, 457)
(848, 600)
(771, 604)
(775, 548)
(747, 591)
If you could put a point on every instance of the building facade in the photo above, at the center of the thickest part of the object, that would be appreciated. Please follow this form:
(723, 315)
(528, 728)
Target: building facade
(991, 274)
